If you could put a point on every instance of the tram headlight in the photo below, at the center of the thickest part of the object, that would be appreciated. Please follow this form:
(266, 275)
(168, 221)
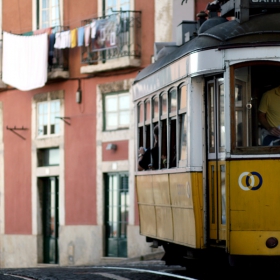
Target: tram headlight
(271, 242)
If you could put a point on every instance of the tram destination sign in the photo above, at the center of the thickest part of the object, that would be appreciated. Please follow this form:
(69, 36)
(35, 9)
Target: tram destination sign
(264, 3)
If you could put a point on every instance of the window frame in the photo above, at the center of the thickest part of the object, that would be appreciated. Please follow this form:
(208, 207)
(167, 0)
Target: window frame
(249, 150)
(49, 113)
(164, 118)
(37, 14)
(116, 7)
(182, 111)
(118, 127)
(43, 155)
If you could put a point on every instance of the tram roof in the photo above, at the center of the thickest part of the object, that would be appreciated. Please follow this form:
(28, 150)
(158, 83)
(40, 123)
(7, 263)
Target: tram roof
(260, 30)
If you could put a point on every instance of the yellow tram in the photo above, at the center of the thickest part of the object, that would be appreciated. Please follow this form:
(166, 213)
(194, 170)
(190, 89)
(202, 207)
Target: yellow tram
(215, 185)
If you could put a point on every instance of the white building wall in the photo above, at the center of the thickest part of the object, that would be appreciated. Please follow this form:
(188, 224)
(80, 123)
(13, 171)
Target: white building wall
(168, 15)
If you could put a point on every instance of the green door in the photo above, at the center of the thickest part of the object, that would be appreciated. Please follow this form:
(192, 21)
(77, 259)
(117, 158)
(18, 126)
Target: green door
(116, 214)
(50, 219)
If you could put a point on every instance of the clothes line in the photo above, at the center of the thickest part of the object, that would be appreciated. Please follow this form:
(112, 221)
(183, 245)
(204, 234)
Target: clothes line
(26, 57)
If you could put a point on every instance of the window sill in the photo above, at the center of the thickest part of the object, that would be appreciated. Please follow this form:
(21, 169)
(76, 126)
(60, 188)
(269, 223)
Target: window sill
(118, 63)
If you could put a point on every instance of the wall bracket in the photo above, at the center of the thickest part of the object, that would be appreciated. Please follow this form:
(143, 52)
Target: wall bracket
(64, 119)
(17, 128)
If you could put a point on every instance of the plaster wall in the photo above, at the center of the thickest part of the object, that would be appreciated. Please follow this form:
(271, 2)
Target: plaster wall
(14, 250)
(17, 16)
(163, 20)
(126, 135)
(80, 245)
(137, 245)
(17, 158)
(185, 11)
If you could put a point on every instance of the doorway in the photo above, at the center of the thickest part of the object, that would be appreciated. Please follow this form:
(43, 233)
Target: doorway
(116, 214)
(216, 156)
(49, 190)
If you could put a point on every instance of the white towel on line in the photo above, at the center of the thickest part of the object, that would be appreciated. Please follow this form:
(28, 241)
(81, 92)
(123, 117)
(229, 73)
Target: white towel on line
(25, 61)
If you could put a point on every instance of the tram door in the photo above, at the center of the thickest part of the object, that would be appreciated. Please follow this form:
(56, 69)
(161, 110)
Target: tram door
(216, 156)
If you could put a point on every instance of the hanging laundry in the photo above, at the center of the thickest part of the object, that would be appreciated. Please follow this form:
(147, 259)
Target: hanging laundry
(65, 39)
(73, 36)
(93, 29)
(42, 31)
(81, 32)
(87, 35)
(25, 60)
(57, 44)
(51, 49)
(30, 33)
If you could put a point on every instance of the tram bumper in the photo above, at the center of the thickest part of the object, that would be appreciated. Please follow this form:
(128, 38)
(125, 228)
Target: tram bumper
(255, 243)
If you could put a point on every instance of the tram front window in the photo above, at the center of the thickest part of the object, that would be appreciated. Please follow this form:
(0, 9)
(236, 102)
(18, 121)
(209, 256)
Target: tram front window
(252, 84)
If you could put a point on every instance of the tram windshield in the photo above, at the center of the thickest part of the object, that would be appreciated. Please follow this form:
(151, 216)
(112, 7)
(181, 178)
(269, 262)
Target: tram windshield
(251, 86)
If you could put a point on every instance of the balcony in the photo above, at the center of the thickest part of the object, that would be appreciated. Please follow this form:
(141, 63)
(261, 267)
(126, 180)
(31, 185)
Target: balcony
(58, 63)
(116, 44)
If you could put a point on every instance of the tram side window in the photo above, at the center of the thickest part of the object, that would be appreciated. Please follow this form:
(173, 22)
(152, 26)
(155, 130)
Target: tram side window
(148, 154)
(211, 123)
(183, 125)
(172, 128)
(163, 126)
(221, 117)
(155, 116)
(140, 124)
(147, 123)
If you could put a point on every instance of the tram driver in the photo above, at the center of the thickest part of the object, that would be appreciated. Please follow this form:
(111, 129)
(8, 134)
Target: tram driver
(269, 117)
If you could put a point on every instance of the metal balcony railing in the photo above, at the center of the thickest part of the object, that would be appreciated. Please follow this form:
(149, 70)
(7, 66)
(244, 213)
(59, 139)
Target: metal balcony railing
(116, 35)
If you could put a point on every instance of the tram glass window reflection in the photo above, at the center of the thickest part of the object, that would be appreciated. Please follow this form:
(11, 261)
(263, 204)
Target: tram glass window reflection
(173, 101)
(140, 124)
(211, 124)
(239, 115)
(147, 124)
(183, 125)
(155, 119)
(172, 98)
(221, 118)
(163, 104)
(243, 113)
(223, 193)
(155, 108)
(163, 126)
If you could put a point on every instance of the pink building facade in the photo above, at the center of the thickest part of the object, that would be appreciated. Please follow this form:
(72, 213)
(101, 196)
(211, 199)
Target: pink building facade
(67, 149)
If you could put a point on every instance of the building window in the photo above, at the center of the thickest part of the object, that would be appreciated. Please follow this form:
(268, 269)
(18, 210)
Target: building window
(116, 5)
(47, 120)
(117, 113)
(48, 13)
(48, 157)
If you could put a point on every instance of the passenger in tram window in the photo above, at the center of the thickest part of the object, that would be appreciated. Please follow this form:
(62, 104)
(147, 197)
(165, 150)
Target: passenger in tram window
(144, 155)
(269, 117)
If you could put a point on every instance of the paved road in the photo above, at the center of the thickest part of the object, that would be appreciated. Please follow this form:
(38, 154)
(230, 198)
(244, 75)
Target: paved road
(148, 270)
(139, 270)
